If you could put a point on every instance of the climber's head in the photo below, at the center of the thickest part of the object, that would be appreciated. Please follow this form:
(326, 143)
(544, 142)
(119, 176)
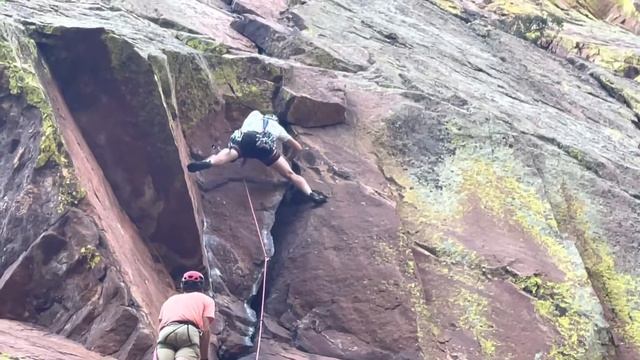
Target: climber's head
(192, 281)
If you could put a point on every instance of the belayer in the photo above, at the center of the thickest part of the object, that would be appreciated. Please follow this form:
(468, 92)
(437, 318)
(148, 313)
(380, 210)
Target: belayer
(184, 322)
(257, 139)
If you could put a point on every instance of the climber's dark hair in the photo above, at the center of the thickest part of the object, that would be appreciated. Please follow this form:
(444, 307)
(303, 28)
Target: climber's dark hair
(192, 286)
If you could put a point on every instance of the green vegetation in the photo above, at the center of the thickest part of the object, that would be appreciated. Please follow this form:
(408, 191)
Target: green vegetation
(621, 291)
(206, 46)
(91, 256)
(534, 27)
(493, 182)
(5, 356)
(474, 319)
(24, 80)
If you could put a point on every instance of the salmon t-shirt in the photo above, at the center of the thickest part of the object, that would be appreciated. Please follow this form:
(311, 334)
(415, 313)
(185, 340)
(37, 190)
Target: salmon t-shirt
(188, 307)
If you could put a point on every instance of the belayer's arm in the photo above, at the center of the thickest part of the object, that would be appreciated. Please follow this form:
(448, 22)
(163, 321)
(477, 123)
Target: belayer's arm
(204, 340)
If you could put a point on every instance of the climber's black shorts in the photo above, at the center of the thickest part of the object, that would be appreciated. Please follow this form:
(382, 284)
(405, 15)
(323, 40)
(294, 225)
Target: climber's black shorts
(247, 148)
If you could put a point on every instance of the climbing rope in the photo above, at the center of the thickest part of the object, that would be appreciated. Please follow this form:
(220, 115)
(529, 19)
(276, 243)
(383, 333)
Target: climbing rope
(264, 271)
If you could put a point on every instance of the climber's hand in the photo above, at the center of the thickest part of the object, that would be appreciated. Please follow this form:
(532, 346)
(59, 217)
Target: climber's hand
(293, 148)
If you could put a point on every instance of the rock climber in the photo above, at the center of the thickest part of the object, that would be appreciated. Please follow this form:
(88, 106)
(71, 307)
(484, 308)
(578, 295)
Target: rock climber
(185, 320)
(257, 139)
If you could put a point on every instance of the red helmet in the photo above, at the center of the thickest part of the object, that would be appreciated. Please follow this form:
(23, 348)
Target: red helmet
(193, 276)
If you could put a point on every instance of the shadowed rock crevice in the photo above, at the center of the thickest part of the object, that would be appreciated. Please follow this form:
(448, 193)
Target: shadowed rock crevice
(111, 92)
(231, 348)
(284, 214)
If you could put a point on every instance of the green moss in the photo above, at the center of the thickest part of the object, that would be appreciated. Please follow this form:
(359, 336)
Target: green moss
(51, 147)
(206, 46)
(452, 252)
(616, 59)
(576, 154)
(166, 87)
(532, 285)
(91, 256)
(535, 27)
(620, 92)
(252, 93)
(24, 80)
(190, 86)
(141, 86)
(125, 60)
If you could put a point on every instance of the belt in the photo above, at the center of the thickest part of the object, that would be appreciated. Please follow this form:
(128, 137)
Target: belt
(182, 322)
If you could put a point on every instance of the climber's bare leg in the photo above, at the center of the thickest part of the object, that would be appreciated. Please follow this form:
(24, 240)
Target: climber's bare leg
(223, 157)
(284, 169)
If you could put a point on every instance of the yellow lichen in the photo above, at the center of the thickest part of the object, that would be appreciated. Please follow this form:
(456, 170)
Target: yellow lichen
(451, 6)
(474, 319)
(494, 182)
(628, 7)
(553, 13)
(423, 317)
(602, 8)
(91, 256)
(206, 46)
(384, 254)
(560, 304)
(621, 291)
(624, 94)
(514, 7)
(617, 59)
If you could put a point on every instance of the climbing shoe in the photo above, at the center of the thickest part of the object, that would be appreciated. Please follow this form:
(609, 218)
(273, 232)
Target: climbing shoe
(317, 197)
(198, 166)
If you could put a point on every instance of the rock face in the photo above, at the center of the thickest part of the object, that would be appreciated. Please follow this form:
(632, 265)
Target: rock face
(21, 341)
(482, 185)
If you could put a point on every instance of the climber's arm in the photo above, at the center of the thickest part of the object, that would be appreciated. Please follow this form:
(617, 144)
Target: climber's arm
(294, 146)
(205, 339)
(208, 315)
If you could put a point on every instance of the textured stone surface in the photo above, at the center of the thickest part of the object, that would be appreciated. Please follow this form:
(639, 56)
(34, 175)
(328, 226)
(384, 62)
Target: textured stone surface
(482, 193)
(22, 341)
(307, 104)
(268, 9)
(188, 16)
(65, 269)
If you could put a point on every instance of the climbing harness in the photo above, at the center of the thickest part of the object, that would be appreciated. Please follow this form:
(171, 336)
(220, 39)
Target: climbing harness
(182, 324)
(265, 140)
(264, 271)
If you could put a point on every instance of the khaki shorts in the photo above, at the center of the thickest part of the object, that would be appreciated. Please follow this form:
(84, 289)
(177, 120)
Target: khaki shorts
(178, 341)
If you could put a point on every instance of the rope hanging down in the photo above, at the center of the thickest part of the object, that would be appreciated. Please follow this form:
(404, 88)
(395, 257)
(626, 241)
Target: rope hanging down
(264, 271)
